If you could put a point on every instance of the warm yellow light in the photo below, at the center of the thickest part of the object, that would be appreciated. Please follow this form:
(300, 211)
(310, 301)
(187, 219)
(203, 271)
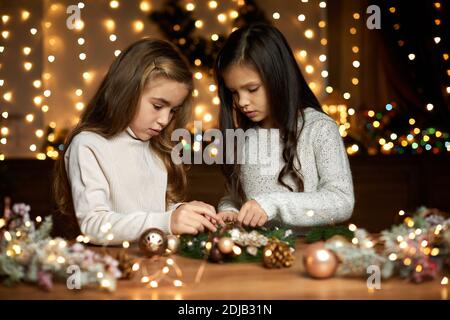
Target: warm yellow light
(346, 95)
(5, 18)
(212, 4)
(79, 106)
(26, 50)
(114, 4)
(110, 24)
(80, 41)
(323, 4)
(234, 14)
(44, 108)
(207, 117)
(323, 42)
(212, 88)
(28, 66)
(33, 147)
(222, 17)
(190, 7)
(355, 81)
(198, 110)
(37, 100)
(198, 75)
(411, 56)
(7, 96)
(5, 34)
(82, 56)
(276, 15)
(214, 37)
(39, 133)
(329, 89)
(353, 30)
(37, 83)
(145, 6)
(112, 37)
(29, 117)
(87, 75)
(356, 64)
(309, 34)
(25, 15)
(430, 107)
(79, 24)
(216, 101)
(199, 24)
(51, 58)
(356, 16)
(355, 49)
(138, 26)
(309, 69)
(5, 131)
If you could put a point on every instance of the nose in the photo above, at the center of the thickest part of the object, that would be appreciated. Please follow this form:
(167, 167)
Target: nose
(164, 117)
(243, 101)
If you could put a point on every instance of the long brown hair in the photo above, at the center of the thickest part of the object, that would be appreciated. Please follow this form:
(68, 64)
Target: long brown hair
(265, 48)
(114, 106)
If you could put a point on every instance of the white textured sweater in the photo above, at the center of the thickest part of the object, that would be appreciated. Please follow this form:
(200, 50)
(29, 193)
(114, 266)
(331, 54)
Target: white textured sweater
(328, 188)
(118, 186)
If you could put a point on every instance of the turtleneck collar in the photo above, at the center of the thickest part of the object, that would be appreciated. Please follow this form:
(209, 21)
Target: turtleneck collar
(132, 134)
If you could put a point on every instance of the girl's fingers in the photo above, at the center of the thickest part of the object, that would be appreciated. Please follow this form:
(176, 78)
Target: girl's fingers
(242, 213)
(206, 211)
(189, 230)
(203, 222)
(203, 204)
(262, 220)
(248, 217)
(255, 220)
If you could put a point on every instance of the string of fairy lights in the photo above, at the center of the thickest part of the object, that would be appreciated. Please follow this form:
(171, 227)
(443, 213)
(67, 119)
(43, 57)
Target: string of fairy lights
(312, 61)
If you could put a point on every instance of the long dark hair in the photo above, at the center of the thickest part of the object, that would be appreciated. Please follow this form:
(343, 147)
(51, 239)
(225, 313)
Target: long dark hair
(115, 103)
(265, 48)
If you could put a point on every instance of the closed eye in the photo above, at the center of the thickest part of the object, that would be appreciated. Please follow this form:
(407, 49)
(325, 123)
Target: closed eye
(253, 89)
(157, 107)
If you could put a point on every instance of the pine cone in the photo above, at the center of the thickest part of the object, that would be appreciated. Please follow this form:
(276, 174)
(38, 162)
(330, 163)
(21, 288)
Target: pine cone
(277, 254)
(125, 265)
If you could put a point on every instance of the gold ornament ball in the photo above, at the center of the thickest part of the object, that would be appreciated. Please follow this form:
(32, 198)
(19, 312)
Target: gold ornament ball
(153, 242)
(225, 245)
(319, 262)
(173, 243)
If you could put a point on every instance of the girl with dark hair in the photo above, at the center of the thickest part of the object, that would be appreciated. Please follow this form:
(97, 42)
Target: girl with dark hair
(261, 87)
(116, 175)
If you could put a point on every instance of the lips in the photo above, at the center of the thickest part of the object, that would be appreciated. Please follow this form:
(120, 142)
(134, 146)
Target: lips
(250, 114)
(154, 131)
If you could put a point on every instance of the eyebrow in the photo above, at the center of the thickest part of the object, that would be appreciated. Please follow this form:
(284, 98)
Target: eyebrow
(162, 100)
(250, 83)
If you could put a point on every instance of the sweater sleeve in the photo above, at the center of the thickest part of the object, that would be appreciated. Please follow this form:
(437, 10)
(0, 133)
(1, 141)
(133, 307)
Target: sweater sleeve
(227, 203)
(333, 201)
(90, 193)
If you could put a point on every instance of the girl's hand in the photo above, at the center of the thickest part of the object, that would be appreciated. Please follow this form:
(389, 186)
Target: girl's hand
(229, 216)
(194, 217)
(251, 214)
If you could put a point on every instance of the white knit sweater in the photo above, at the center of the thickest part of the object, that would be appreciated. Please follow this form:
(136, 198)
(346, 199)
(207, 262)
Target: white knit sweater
(328, 188)
(117, 184)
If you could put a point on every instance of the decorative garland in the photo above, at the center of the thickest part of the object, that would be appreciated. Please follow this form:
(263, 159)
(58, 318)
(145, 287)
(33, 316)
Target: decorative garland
(418, 249)
(232, 243)
(28, 253)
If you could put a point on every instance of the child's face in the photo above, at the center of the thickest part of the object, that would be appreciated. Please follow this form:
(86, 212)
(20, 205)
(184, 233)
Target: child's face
(159, 100)
(249, 93)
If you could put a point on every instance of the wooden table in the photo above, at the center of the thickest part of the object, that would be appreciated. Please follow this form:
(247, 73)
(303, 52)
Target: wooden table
(241, 281)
